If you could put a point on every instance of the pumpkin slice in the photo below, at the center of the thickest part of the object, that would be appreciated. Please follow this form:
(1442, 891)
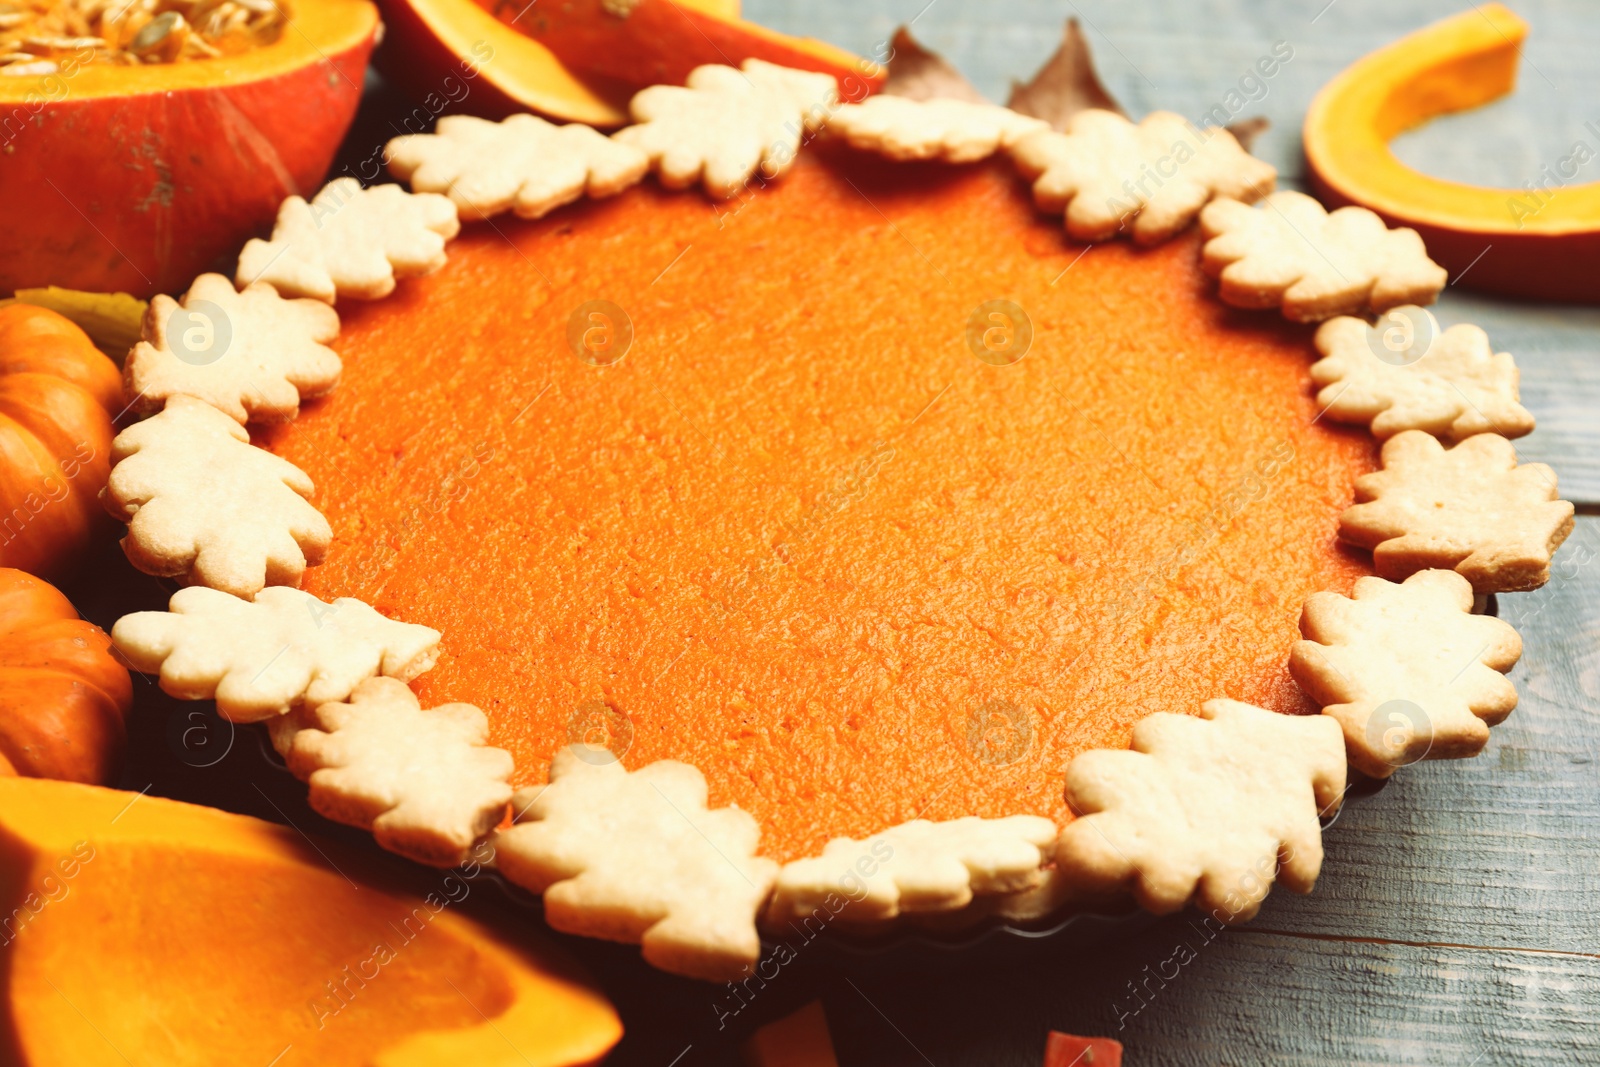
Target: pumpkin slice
(104, 188)
(143, 930)
(1541, 244)
(658, 42)
(577, 61)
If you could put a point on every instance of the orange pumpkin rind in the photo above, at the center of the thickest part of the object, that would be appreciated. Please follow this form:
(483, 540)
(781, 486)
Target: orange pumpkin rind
(63, 695)
(86, 205)
(599, 841)
(58, 397)
(363, 970)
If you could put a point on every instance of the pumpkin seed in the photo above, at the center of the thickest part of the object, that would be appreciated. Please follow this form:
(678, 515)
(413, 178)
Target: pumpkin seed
(62, 44)
(23, 70)
(134, 31)
(161, 39)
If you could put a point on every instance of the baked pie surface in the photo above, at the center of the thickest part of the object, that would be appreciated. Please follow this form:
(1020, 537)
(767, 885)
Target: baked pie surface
(799, 535)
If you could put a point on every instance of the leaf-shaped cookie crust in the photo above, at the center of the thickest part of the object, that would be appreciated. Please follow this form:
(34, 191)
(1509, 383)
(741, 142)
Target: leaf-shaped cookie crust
(206, 506)
(638, 857)
(1470, 508)
(1406, 670)
(425, 782)
(1211, 810)
(262, 656)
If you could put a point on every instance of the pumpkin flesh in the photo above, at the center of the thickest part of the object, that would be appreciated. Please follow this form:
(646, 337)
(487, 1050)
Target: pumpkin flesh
(217, 938)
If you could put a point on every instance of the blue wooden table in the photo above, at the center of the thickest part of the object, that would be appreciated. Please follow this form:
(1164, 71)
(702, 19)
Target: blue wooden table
(1457, 921)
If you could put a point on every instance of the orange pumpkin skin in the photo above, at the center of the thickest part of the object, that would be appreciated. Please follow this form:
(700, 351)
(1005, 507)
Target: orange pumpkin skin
(136, 179)
(63, 696)
(58, 395)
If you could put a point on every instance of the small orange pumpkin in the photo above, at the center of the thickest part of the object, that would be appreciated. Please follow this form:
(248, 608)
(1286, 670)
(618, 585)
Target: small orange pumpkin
(63, 696)
(58, 396)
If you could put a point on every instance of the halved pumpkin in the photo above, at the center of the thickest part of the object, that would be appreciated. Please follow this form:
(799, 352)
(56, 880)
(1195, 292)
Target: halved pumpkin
(1542, 243)
(580, 60)
(137, 178)
(141, 930)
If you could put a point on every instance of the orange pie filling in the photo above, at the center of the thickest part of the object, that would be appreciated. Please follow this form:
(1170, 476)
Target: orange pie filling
(779, 520)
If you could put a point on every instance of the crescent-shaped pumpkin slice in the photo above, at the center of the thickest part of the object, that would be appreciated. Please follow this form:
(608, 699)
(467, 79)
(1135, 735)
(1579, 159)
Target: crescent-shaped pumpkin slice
(140, 930)
(581, 60)
(1541, 243)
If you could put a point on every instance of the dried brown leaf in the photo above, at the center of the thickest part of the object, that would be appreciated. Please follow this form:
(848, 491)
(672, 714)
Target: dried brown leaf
(918, 74)
(1065, 85)
(1245, 131)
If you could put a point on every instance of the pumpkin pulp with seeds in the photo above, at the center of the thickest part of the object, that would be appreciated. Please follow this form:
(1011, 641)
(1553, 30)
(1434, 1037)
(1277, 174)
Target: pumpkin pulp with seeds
(799, 535)
(36, 36)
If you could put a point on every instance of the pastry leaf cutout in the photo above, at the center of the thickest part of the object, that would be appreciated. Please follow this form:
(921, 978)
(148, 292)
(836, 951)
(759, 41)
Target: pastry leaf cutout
(251, 354)
(919, 866)
(726, 124)
(1405, 374)
(1212, 810)
(639, 857)
(1291, 253)
(523, 164)
(262, 656)
(425, 782)
(1469, 508)
(349, 241)
(207, 507)
(1406, 670)
(1108, 176)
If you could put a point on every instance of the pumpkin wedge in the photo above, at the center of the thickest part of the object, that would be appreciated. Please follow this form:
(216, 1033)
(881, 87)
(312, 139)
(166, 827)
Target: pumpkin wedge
(137, 178)
(142, 930)
(579, 61)
(1542, 242)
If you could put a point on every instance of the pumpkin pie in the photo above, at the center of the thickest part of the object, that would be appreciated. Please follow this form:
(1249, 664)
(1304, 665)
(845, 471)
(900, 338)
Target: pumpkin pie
(843, 535)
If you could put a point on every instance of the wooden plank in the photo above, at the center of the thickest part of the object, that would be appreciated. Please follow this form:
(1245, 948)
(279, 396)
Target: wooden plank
(1180, 998)
(1499, 850)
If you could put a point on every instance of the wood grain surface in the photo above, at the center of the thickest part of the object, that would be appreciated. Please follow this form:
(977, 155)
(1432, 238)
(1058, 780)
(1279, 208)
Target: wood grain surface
(1457, 921)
